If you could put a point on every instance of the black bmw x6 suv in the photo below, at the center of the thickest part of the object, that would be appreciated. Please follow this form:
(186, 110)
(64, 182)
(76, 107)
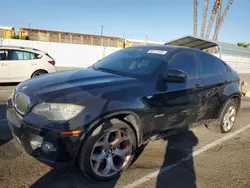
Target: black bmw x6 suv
(100, 117)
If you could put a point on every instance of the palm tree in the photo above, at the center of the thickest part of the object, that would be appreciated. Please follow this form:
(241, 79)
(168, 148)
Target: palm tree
(242, 44)
(214, 11)
(204, 18)
(195, 18)
(230, 2)
(218, 18)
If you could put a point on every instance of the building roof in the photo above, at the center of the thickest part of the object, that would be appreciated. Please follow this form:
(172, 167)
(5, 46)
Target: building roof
(202, 44)
(6, 27)
(62, 32)
(143, 41)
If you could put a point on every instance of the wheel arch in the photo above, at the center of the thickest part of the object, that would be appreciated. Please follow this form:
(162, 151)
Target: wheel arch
(237, 99)
(38, 71)
(129, 117)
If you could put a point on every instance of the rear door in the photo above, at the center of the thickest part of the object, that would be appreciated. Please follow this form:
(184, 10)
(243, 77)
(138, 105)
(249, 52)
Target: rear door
(4, 56)
(178, 105)
(214, 80)
(21, 65)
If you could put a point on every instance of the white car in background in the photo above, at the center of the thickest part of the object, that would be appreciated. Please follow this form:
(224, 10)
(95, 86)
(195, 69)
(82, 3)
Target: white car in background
(20, 63)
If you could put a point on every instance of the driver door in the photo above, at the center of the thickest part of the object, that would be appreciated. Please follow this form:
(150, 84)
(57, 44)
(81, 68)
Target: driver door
(4, 56)
(178, 105)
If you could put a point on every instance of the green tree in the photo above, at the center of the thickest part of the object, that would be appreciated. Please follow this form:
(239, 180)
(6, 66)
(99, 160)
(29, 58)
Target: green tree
(243, 44)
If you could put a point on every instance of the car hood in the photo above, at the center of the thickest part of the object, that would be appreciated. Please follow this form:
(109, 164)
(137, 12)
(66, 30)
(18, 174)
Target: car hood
(59, 84)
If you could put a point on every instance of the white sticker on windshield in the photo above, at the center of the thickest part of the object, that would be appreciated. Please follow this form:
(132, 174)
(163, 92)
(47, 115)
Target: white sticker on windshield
(161, 52)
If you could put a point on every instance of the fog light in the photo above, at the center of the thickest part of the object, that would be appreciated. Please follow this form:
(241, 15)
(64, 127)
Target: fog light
(35, 144)
(48, 147)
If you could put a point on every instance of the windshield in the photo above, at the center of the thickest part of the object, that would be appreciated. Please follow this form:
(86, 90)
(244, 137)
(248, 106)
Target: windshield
(134, 62)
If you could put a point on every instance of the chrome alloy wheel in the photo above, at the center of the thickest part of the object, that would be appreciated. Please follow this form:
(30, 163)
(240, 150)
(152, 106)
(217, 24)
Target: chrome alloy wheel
(111, 153)
(229, 118)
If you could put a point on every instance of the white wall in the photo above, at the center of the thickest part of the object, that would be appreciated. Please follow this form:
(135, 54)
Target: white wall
(65, 55)
(238, 63)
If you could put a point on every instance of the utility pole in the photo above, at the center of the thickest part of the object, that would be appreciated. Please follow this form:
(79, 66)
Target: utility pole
(101, 30)
(146, 39)
(103, 51)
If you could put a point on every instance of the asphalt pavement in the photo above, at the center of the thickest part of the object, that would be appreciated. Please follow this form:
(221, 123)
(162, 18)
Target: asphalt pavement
(195, 158)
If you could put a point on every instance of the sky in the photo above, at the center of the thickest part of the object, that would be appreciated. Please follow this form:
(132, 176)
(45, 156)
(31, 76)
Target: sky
(160, 20)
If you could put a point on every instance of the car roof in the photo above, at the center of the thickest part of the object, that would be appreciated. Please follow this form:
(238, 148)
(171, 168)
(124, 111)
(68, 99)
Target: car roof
(169, 48)
(34, 50)
(174, 49)
(166, 47)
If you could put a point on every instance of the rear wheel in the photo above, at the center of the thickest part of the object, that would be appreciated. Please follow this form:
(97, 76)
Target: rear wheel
(108, 151)
(227, 118)
(38, 73)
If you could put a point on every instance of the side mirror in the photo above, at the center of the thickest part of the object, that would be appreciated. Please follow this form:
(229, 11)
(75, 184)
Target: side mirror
(175, 76)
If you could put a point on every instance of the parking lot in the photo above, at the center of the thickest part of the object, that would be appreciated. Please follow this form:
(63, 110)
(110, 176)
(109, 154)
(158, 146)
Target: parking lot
(196, 158)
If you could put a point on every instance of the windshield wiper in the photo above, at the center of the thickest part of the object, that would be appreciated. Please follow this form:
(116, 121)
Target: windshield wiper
(109, 71)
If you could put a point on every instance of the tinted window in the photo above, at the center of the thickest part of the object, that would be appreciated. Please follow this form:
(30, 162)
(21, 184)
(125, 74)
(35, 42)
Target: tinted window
(186, 62)
(3, 55)
(137, 62)
(22, 55)
(208, 65)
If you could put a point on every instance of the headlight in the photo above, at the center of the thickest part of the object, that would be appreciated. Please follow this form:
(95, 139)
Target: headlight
(57, 111)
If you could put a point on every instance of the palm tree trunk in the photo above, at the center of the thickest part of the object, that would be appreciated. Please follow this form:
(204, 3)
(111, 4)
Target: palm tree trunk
(230, 2)
(211, 21)
(204, 18)
(195, 18)
(218, 19)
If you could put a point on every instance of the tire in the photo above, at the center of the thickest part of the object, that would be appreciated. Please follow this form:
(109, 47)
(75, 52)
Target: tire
(95, 148)
(38, 73)
(220, 125)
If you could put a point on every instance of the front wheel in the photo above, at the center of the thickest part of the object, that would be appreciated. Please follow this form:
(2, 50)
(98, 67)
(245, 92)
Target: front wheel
(108, 151)
(227, 118)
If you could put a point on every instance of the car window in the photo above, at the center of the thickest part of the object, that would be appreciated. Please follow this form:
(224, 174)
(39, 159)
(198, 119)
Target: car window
(208, 65)
(22, 55)
(186, 62)
(3, 55)
(135, 62)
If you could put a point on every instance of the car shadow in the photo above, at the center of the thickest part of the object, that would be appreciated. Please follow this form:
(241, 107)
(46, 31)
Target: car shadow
(179, 151)
(5, 132)
(9, 84)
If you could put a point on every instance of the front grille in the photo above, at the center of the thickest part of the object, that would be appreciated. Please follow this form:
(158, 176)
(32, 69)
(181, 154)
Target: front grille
(21, 103)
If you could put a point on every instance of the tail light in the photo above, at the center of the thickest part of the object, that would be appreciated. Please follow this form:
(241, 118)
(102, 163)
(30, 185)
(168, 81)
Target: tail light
(52, 62)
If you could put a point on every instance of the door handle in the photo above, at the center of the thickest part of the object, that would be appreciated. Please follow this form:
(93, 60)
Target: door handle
(198, 86)
(4, 64)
